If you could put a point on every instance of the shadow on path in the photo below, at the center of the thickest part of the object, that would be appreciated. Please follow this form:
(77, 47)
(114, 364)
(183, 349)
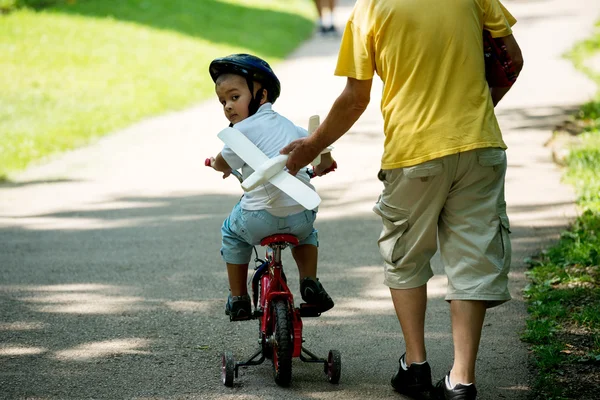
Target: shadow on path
(133, 306)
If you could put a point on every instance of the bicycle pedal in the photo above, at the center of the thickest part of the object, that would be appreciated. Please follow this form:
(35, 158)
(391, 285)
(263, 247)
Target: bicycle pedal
(307, 311)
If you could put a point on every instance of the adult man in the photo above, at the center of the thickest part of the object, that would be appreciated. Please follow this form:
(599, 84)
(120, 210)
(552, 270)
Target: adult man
(442, 168)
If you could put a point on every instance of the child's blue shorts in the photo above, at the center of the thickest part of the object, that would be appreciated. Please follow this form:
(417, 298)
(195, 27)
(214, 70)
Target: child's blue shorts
(244, 229)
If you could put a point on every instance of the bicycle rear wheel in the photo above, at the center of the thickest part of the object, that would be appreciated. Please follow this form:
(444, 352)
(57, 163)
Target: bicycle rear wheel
(283, 345)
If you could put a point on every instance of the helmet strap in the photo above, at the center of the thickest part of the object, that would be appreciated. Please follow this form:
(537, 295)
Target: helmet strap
(255, 102)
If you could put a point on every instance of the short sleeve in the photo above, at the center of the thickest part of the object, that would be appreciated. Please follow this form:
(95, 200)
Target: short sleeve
(232, 159)
(356, 58)
(494, 19)
(509, 17)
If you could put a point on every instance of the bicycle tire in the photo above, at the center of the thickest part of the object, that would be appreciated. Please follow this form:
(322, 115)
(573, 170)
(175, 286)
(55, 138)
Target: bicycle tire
(283, 345)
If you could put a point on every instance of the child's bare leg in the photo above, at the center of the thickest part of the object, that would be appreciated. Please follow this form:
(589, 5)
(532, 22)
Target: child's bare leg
(306, 257)
(310, 288)
(238, 275)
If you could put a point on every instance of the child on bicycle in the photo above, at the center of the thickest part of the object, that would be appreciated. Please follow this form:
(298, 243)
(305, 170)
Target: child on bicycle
(247, 87)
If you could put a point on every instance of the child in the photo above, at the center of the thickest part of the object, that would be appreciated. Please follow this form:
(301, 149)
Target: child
(246, 87)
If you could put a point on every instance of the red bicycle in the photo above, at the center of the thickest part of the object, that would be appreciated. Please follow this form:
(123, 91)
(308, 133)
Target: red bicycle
(280, 321)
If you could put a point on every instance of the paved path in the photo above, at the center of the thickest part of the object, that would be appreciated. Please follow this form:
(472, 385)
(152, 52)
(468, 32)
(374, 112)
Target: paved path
(111, 285)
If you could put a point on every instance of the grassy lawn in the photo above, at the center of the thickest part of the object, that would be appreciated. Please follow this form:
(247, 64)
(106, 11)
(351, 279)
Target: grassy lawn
(564, 294)
(77, 70)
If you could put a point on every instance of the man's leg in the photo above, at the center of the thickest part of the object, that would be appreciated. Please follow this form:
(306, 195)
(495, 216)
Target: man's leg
(476, 259)
(467, 323)
(409, 207)
(410, 305)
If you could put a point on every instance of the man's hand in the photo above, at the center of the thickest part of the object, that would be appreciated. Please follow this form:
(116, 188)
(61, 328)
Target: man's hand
(301, 153)
(346, 110)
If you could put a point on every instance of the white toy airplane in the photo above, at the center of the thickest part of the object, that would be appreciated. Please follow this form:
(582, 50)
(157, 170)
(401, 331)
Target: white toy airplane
(272, 169)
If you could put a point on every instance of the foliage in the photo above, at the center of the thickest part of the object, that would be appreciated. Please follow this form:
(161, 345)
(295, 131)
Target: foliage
(81, 69)
(564, 294)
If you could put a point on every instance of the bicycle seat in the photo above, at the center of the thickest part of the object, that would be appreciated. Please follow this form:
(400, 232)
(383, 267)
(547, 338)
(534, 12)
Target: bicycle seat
(291, 239)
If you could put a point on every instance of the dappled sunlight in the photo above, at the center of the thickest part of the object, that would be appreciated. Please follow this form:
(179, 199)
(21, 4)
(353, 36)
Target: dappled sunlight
(437, 286)
(372, 306)
(75, 287)
(188, 306)
(90, 299)
(104, 349)
(364, 270)
(85, 303)
(76, 223)
(79, 298)
(225, 397)
(336, 211)
(517, 388)
(441, 336)
(21, 326)
(382, 292)
(342, 320)
(517, 275)
(10, 351)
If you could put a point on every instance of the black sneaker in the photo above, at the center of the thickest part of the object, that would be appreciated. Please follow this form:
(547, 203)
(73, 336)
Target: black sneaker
(313, 293)
(332, 30)
(458, 392)
(414, 381)
(238, 307)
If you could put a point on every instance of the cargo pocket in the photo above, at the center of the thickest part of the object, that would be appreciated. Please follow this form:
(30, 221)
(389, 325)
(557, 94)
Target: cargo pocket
(388, 176)
(425, 170)
(492, 157)
(504, 231)
(395, 224)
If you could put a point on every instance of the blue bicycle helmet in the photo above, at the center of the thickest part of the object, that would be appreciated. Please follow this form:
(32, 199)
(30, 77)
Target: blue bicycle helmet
(253, 69)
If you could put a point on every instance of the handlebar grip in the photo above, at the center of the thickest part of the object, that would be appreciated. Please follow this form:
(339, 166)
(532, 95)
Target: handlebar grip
(207, 162)
(311, 171)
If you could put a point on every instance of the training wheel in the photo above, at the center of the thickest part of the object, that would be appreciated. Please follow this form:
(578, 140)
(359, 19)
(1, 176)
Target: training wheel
(333, 368)
(227, 368)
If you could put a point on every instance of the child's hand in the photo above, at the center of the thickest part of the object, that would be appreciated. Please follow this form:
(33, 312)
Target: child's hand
(325, 166)
(210, 162)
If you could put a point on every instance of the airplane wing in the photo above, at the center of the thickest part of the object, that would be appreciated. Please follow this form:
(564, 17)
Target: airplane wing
(297, 190)
(260, 163)
(243, 147)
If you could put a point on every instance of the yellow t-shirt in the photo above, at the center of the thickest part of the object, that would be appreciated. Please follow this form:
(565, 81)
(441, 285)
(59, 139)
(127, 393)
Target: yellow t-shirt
(429, 55)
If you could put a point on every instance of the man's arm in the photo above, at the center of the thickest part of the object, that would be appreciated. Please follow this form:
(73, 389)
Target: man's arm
(514, 52)
(346, 110)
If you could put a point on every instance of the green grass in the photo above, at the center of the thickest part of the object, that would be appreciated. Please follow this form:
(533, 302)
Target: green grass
(79, 70)
(564, 294)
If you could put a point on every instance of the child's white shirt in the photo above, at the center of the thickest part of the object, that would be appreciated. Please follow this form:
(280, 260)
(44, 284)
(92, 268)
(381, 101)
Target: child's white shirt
(270, 132)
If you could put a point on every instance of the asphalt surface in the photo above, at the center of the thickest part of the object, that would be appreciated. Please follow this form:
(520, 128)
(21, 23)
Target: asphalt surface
(111, 282)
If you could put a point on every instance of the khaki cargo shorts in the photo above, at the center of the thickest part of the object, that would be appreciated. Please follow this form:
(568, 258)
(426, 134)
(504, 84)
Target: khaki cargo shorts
(458, 200)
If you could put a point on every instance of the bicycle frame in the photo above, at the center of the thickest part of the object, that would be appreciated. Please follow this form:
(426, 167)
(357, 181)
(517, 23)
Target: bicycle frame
(274, 287)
